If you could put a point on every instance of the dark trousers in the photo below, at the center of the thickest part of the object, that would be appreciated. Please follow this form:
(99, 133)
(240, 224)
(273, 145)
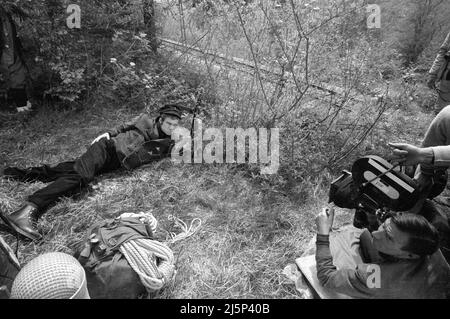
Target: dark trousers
(68, 178)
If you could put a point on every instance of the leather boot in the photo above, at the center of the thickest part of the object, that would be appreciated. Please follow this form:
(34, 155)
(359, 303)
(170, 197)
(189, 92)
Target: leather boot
(23, 221)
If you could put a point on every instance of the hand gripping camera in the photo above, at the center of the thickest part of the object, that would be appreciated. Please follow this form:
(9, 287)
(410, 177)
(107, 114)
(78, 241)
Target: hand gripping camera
(375, 188)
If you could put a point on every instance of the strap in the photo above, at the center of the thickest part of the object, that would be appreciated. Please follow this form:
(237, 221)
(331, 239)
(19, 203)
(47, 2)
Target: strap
(380, 175)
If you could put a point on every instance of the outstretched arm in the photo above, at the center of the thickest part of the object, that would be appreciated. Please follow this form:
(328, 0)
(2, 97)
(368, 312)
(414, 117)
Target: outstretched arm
(120, 129)
(131, 125)
(411, 155)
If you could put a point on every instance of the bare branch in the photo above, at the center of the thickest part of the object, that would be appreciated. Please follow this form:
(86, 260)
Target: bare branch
(258, 74)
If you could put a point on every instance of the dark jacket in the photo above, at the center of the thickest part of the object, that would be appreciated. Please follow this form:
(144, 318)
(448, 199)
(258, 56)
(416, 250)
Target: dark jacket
(428, 277)
(440, 63)
(132, 139)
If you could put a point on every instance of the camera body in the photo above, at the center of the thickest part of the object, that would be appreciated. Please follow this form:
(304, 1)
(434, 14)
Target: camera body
(375, 188)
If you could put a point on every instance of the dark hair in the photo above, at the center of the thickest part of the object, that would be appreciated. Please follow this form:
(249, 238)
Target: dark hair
(423, 237)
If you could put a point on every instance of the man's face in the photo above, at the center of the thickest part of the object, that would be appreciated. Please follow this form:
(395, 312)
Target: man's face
(388, 239)
(169, 124)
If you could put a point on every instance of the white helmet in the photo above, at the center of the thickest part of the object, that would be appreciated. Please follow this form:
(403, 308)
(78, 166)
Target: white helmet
(51, 276)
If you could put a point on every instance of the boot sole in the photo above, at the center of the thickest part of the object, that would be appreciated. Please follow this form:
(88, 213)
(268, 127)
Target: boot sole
(16, 229)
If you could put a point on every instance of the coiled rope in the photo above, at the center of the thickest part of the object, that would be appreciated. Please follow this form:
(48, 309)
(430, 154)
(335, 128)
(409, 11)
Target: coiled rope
(152, 260)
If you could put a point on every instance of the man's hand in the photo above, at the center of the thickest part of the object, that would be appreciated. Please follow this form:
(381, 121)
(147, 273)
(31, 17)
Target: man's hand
(104, 135)
(324, 221)
(411, 155)
(431, 83)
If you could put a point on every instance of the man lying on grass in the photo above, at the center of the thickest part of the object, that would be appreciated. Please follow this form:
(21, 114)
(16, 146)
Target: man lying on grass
(399, 260)
(121, 147)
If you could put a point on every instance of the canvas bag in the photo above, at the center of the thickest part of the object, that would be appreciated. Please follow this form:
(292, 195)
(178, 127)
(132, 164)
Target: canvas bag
(108, 273)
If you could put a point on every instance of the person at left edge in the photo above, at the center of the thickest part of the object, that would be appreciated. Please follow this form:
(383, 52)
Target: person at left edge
(14, 73)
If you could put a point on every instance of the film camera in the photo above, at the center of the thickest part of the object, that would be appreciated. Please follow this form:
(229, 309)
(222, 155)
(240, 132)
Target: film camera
(377, 190)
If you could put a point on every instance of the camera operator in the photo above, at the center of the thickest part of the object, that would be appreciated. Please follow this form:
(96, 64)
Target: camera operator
(399, 260)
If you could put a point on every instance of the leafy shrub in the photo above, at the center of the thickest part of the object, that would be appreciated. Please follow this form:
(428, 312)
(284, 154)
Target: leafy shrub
(67, 63)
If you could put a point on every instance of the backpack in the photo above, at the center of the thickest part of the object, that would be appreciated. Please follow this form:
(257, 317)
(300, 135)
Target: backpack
(108, 273)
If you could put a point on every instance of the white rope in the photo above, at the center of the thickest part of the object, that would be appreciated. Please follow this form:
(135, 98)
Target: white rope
(152, 260)
(185, 231)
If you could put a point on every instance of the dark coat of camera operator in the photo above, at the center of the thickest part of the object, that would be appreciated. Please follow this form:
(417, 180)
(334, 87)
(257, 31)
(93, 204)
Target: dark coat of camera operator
(399, 260)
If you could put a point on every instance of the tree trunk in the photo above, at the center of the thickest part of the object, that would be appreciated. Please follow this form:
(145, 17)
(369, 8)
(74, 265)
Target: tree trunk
(149, 20)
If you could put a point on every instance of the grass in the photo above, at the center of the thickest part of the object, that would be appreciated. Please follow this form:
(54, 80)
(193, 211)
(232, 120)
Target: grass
(249, 231)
